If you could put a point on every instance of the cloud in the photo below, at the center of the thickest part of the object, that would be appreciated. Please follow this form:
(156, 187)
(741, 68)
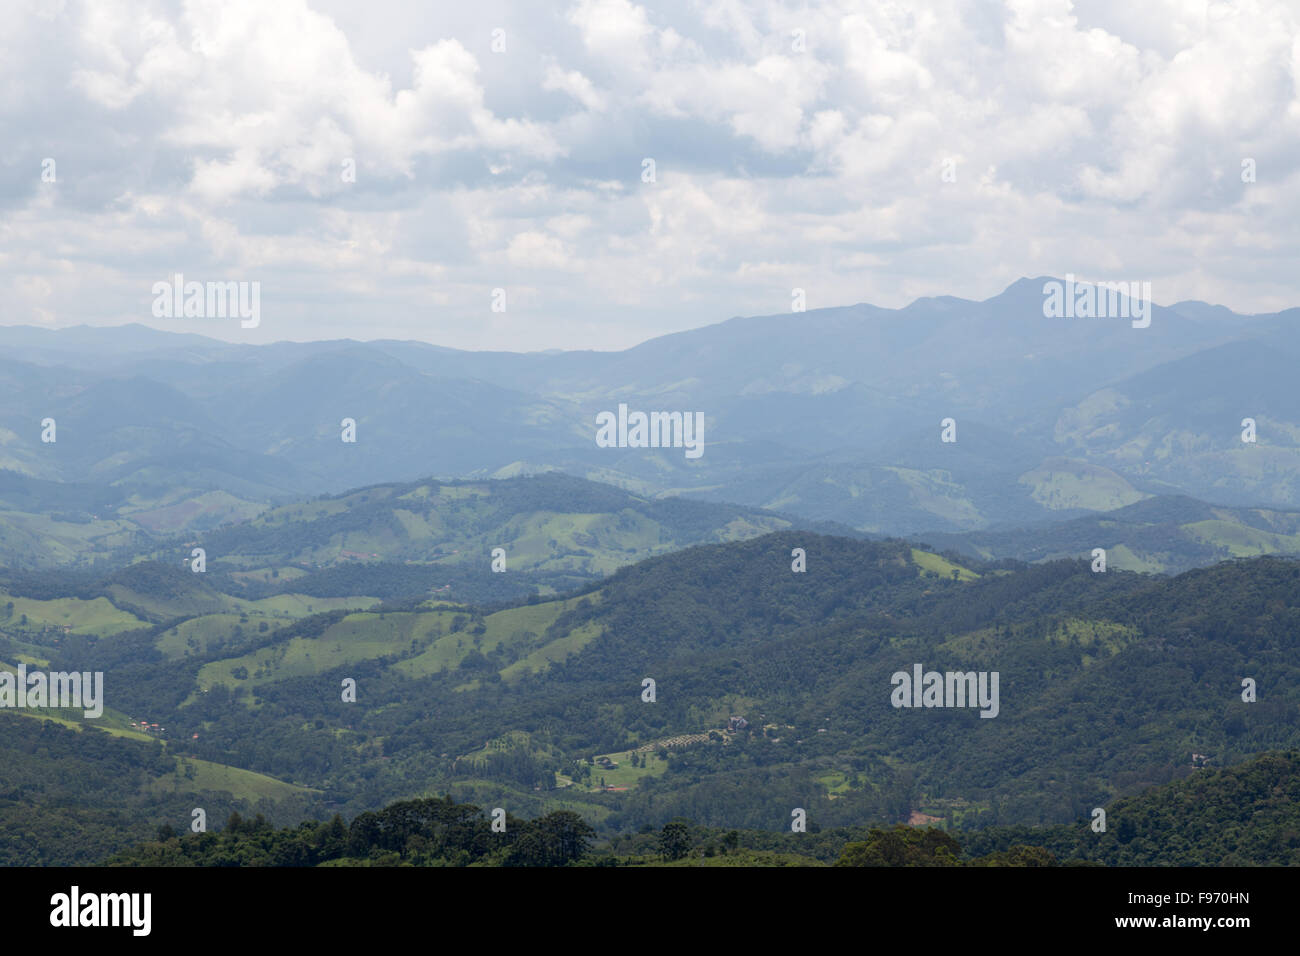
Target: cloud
(380, 168)
(575, 85)
(614, 32)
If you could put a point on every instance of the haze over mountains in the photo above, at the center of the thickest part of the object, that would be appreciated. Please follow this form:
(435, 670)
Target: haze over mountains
(329, 561)
(831, 414)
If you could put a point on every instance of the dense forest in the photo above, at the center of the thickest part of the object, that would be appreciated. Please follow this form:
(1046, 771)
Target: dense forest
(1245, 815)
(428, 832)
(771, 692)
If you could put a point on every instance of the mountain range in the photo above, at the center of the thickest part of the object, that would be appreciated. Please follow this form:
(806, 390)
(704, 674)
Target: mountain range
(831, 414)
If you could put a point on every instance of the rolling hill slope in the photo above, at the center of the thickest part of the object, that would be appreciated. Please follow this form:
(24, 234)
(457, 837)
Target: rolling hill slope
(1108, 683)
(1166, 534)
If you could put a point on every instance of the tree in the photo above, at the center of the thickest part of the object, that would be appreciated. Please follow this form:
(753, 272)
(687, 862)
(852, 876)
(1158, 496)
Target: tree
(334, 839)
(902, 846)
(557, 839)
(674, 840)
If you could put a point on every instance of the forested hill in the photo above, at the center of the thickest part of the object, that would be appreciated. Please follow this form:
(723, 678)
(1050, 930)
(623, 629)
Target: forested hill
(1245, 815)
(771, 664)
(552, 531)
(1167, 534)
(548, 522)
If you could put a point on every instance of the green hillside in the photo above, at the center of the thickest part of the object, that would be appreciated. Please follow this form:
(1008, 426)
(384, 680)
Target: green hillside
(75, 795)
(1244, 815)
(772, 686)
(547, 523)
(1166, 535)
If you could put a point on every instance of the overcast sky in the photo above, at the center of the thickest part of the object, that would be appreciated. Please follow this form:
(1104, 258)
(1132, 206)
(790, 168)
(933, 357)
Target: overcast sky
(793, 145)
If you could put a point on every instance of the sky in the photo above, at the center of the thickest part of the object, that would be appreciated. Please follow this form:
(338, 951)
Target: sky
(380, 168)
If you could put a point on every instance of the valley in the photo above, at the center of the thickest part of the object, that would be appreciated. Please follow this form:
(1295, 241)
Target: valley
(773, 688)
